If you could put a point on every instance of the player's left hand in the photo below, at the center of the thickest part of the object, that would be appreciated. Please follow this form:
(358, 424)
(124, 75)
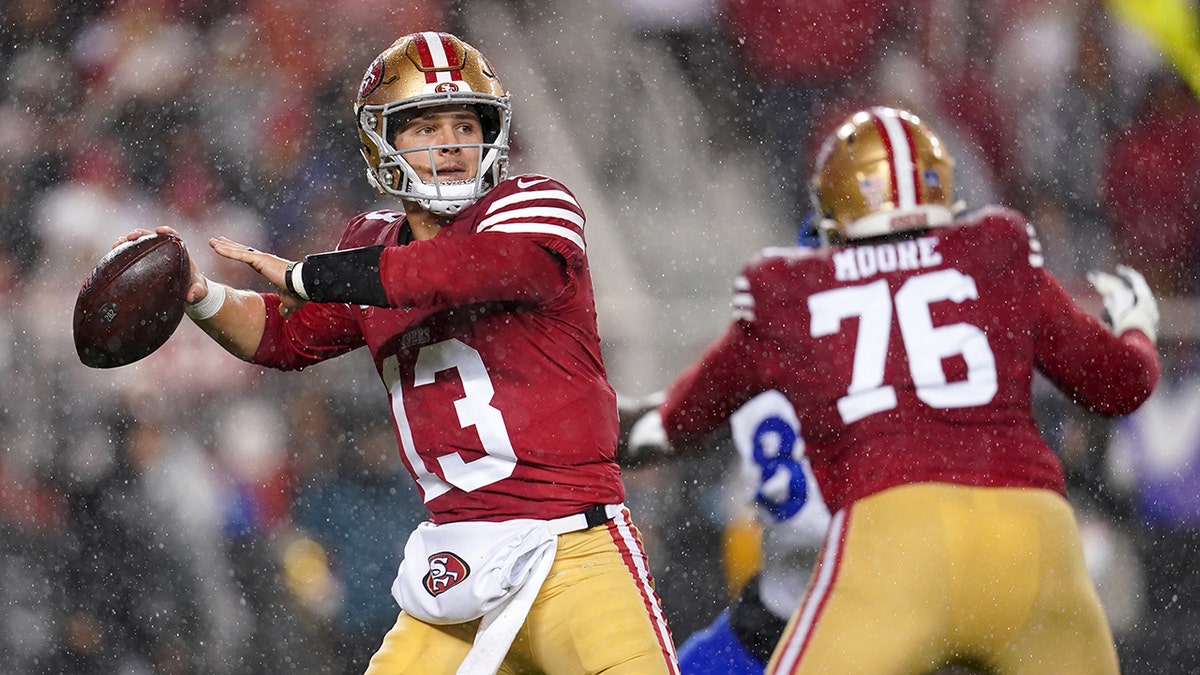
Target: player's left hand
(272, 267)
(197, 284)
(1128, 301)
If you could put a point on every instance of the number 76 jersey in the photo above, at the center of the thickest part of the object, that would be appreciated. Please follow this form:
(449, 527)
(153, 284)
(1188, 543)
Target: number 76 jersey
(912, 360)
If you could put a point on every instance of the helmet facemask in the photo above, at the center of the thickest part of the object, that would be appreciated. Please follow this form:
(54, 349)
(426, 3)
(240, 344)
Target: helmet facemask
(392, 174)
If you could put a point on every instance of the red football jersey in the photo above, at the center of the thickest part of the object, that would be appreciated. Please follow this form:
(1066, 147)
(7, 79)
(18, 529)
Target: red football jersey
(912, 360)
(490, 355)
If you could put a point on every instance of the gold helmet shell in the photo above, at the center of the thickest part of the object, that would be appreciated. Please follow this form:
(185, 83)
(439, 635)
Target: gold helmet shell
(422, 70)
(882, 171)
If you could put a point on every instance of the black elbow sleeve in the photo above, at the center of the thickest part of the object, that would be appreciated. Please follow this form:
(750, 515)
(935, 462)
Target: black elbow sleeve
(350, 276)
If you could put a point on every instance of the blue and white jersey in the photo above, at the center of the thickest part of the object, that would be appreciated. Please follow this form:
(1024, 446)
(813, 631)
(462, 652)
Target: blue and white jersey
(776, 476)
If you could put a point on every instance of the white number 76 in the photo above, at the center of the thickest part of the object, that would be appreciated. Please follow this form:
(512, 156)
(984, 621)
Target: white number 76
(925, 344)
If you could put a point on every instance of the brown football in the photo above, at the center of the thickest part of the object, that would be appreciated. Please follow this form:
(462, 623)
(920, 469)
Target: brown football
(132, 301)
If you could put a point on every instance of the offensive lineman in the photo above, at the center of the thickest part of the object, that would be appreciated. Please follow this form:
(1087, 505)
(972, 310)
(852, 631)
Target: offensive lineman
(907, 345)
(476, 303)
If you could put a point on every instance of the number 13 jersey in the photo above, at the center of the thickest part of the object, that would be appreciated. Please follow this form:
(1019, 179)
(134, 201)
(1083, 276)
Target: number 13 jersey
(912, 360)
(489, 351)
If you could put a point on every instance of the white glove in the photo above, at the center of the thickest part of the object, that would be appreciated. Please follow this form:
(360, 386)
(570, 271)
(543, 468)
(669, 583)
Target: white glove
(648, 434)
(644, 439)
(1128, 301)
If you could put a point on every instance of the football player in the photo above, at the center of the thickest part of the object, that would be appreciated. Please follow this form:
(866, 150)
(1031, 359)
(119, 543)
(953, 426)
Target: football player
(785, 511)
(475, 300)
(907, 344)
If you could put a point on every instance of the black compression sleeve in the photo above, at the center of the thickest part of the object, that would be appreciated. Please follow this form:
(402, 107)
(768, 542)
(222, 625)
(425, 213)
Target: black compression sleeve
(345, 276)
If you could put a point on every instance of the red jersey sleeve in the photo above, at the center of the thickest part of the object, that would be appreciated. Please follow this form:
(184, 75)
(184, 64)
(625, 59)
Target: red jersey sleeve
(734, 368)
(320, 331)
(539, 209)
(1103, 372)
(314, 333)
(703, 397)
(448, 272)
(524, 243)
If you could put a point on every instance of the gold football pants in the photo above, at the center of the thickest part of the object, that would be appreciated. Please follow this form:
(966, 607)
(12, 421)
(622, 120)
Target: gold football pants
(597, 612)
(924, 575)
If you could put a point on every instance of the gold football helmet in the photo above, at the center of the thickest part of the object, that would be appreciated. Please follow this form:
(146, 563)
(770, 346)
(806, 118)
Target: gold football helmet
(418, 71)
(882, 171)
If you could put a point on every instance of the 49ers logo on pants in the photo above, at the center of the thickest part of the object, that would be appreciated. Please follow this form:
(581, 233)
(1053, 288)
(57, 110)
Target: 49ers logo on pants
(446, 571)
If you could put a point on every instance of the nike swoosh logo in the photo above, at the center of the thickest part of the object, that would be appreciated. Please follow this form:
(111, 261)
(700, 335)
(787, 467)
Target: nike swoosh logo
(523, 183)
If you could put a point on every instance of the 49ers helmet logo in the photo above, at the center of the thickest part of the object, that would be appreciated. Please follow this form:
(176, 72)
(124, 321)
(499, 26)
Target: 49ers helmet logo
(446, 571)
(446, 87)
(371, 78)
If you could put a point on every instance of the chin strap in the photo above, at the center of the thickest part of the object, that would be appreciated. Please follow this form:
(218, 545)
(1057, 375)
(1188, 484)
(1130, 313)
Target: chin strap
(447, 207)
(443, 199)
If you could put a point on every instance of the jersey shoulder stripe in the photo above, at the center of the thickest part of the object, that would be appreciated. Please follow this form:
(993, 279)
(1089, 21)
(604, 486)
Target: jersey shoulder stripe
(743, 300)
(537, 205)
(561, 198)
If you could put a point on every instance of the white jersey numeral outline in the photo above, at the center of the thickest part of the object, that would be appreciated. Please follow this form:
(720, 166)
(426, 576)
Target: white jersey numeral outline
(926, 345)
(474, 409)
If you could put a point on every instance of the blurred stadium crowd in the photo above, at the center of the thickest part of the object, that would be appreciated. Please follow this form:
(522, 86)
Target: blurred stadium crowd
(191, 514)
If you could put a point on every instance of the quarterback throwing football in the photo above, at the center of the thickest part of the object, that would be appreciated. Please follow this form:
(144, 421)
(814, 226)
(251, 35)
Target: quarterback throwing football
(476, 303)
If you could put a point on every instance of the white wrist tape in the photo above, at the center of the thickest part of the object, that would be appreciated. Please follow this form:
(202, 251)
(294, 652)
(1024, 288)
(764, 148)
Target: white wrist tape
(209, 305)
(293, 278)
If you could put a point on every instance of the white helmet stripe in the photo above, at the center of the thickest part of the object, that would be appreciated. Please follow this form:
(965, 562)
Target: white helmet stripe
(437, 51)
(904, 168)
(441, 61)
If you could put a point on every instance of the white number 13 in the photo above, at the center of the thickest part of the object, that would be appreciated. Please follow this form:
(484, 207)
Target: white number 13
(925, 344)
(474, 409)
